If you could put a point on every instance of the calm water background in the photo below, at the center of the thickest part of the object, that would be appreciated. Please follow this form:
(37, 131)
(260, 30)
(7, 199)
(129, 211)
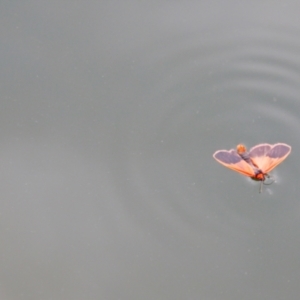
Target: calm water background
(110, 114)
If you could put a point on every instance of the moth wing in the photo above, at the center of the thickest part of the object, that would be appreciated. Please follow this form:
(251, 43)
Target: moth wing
(258, 155)
(233, 161)
(266, 159)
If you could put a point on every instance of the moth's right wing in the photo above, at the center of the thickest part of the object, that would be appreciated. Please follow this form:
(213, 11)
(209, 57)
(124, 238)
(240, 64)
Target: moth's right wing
(233, 161)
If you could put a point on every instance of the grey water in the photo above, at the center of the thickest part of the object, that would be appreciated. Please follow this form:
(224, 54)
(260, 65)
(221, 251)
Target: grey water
(110, 114)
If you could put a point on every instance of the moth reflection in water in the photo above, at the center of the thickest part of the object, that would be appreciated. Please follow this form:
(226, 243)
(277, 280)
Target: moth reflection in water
(256, 163)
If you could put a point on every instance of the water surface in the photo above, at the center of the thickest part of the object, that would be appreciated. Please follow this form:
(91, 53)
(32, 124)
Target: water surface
(110, 115)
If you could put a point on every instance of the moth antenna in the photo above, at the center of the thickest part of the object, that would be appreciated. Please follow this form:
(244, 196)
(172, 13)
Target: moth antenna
(269, 177)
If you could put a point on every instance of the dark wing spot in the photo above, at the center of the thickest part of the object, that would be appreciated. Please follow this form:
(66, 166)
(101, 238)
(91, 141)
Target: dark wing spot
(228, 157)
(260, 150)
(279, 151)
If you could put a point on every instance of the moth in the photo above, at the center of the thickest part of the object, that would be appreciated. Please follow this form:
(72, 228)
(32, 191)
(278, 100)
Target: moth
(257, 163)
